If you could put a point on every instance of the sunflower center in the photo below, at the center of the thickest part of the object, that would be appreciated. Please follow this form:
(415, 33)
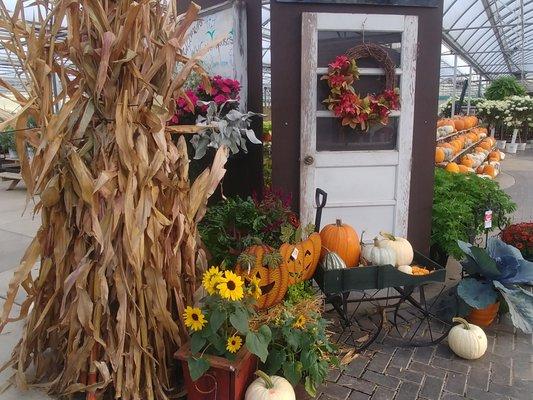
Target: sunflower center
(233, 342)
(231, 285)
(195, 317)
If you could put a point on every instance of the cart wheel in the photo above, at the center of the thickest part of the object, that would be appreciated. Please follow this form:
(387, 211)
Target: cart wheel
(355, 329)
(422, 321)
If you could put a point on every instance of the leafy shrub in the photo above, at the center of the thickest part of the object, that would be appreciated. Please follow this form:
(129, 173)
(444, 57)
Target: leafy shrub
(234, 224)
(7, 139)
(459, 205)
(504, 87)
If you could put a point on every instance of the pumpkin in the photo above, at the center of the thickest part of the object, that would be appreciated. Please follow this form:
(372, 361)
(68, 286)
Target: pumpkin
(459, 124)
(465, 170)
(467, 161)
(452, 167)
(495, 155)
(439, 155)
(502, 155)
(333, 261)
(487, 145)
(264, 263)
(343, 240)
(406, 269)
(489, 170)
(269, 388)
(301, 259)
(401, 246)
(379, 255)
(467, 340)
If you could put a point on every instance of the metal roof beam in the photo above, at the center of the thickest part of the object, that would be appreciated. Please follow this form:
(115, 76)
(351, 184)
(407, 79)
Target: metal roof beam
(487, 27)
(494, 24)
(459, 51)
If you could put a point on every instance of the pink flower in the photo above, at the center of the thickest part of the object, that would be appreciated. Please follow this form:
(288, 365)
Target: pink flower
(220, 99)
(340, 62)
(336, 81)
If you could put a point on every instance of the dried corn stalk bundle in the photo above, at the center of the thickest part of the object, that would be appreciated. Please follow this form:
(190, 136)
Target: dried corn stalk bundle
(118, 245)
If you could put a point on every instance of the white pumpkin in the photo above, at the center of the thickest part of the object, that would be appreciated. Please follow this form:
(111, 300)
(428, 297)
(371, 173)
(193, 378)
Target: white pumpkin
(406, 269)
(379, 255)
(467, 340)
(401, 246)
(270, 388)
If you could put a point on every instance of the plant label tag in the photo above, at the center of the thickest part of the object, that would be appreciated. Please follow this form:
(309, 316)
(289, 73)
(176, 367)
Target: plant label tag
(294, 254)
(488, 219)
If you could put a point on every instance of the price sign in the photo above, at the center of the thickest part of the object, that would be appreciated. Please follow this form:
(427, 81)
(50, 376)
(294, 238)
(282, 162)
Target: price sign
(488, 219)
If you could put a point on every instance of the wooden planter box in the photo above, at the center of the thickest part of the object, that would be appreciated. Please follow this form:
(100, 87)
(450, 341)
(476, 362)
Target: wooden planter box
(225, 380)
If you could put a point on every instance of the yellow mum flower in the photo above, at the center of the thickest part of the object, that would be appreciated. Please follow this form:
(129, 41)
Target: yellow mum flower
(210, 279)
(300, 322)
(255, 289)
(231, 286)
(194, 318)
(234, 344)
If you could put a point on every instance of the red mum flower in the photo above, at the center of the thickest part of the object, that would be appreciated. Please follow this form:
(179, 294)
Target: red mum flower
(340, 63)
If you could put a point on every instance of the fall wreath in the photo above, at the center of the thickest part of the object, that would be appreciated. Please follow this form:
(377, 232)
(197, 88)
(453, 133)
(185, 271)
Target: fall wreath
(350, 107)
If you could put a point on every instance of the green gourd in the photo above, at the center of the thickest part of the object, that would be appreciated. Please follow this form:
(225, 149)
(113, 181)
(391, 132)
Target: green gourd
(333, 261)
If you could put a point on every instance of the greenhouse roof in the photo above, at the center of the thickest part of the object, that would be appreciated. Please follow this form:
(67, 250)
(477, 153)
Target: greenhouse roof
(494, 36)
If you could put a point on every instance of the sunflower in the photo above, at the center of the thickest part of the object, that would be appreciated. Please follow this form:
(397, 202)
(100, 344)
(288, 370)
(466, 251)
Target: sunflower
(300, 322)
(194, 318)
(255, 289)
(210, 279)
(234, 344)
(231, 286)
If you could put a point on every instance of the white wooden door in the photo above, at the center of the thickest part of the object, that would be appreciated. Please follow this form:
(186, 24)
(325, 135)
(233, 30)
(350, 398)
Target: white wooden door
(367, 178)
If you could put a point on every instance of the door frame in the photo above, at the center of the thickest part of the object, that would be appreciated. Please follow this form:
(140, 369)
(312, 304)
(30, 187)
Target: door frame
(407, 25)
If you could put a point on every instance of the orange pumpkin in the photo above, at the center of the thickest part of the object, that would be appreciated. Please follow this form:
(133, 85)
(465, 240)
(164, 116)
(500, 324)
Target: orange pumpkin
(463, 169)
(264, 263)
(452, 167)
(343, 240)
(459, 124)
(486, 145)
(439, 155)
(479, 169)
(467, 162)
(445, 122)
(494, 156)
(489, 170)
(301, 259)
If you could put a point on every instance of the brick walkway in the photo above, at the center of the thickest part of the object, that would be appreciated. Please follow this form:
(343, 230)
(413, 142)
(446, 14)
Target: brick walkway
(386, 371)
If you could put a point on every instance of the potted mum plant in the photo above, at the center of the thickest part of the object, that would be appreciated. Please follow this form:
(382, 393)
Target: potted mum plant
(497, 274)
(221, 358)
(521, 237)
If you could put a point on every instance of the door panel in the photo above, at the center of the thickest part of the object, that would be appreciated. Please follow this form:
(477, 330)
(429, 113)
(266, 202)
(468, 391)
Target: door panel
(366, 174)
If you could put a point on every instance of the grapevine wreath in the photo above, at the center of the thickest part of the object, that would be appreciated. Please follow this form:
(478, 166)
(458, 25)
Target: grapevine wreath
(350, 107)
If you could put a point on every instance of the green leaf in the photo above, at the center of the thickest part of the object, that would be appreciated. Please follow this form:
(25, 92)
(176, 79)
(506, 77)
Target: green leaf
(216, 319)
(292, 371)
(486, 264)
(265, 331)
(197, 343)
(239, 320)
(275, 360)
(476, 293)
(310, 386)
(197, 367)
(520, 303)
(257, 344)
(218, 343)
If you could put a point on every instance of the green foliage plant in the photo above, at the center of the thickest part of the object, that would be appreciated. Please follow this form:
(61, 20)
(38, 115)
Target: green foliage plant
(7, 139)
(234, 224)
(459, 205)
(504, 87)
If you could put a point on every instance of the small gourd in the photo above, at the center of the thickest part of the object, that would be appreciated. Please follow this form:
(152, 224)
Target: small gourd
(270, 388)
(333, 261)
(378, 254)
(406, 269)
(467, 340)
(401, 246)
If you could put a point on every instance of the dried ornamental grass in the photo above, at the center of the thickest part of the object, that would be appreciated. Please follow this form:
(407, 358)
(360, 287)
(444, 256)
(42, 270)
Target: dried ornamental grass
(118, 245)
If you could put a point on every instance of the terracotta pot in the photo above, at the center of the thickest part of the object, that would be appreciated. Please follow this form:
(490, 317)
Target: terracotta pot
(225, 380)
(301, 394)
(484, 316)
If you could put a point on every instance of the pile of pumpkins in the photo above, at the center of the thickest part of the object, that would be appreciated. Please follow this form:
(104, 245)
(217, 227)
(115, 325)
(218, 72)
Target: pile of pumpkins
(484, 161)
(447, 126)
(341, 249)
(446, 151)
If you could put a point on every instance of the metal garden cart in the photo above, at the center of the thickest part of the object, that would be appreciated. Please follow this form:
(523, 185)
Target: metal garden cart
(419, 308)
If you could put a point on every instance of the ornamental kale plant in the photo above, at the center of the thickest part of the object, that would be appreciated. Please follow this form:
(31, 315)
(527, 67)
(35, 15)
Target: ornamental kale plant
(500, 271)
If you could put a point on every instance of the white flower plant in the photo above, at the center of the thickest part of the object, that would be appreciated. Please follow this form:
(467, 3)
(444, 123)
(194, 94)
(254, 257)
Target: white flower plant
(231, 129)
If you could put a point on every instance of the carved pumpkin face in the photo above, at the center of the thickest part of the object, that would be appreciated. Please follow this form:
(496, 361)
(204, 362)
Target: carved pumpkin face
(301, 259)
(273, 278)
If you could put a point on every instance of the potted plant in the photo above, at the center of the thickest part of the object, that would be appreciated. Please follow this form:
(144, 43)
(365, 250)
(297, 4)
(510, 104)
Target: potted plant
(220, 359)
(7, 143)
(300, 350)
(459, 205)
(495, 275)
(520, 236)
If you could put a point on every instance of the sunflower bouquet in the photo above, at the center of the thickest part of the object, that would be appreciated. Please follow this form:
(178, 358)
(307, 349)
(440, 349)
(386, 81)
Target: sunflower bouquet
(219, 326)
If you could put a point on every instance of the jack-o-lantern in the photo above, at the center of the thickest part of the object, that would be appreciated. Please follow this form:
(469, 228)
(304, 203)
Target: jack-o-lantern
(264, 263)
(301, 259)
